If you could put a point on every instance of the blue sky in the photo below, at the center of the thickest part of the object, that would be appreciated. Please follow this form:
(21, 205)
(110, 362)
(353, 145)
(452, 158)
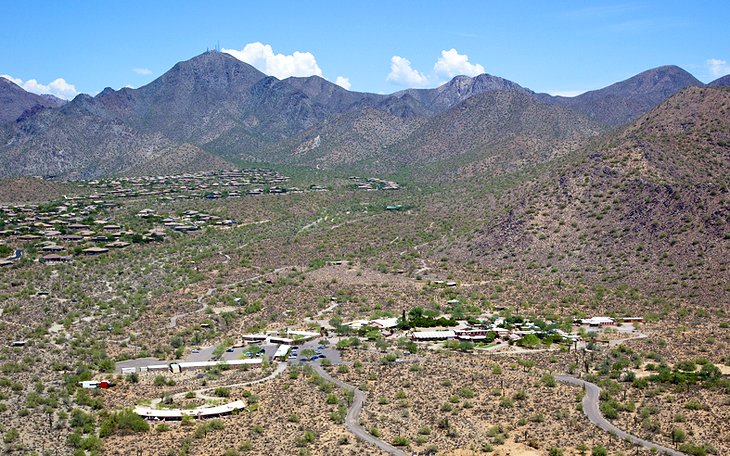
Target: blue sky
(376, 46)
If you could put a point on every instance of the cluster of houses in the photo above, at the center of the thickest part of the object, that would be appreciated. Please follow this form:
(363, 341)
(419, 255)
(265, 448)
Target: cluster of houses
(373, 184)
(58, 232)
(54, 229)
(497, 329)
(208, 184)
(189, 221)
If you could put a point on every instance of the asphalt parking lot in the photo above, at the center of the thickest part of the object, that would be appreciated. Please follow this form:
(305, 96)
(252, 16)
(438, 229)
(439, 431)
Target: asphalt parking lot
(329, 352)
(206, 354)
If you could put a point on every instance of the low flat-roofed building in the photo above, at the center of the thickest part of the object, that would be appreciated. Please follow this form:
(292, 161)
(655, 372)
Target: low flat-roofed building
(95, 251)
(385, 323)
(302, 334)
(281, 351)
(433, 335)
(598, 321)
(200, 412)
(55, 258)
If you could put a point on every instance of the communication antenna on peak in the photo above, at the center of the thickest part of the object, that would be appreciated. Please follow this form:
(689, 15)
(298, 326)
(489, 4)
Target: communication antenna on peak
(218, 46)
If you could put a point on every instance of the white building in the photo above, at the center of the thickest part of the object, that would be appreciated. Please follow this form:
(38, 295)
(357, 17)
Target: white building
(598, 321)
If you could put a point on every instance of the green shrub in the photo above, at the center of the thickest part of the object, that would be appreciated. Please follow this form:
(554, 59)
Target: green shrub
(123, 422)
(399, 440)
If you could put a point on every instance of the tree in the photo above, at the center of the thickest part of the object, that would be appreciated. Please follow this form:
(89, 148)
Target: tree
(678, 436)
(529, 341)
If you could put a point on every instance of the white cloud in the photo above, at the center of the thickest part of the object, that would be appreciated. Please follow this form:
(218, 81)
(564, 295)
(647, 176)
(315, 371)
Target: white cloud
(343, 82)
(451, 64)
(718, 67)
(142, 71)
(402, 73)
(281, 66)
(58, 87)
(566, 93)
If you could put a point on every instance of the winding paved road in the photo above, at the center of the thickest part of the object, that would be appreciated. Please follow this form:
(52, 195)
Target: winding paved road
(352, 421)
(593, 412)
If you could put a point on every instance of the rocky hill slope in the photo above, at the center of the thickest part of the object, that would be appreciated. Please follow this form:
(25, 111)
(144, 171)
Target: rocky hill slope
(648, 207)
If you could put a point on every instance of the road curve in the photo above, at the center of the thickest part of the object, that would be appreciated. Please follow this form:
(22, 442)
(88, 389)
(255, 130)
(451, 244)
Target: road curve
(352, 421)
(593, 412)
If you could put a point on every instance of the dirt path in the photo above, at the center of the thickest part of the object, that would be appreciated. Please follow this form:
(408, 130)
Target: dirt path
(352, 420)
(199, 300)
(209, 291)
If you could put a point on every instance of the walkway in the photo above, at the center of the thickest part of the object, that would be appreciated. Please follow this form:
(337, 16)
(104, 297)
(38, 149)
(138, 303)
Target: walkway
(199, 393)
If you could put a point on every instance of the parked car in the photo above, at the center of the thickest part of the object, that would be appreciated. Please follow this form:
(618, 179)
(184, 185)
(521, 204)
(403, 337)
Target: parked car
(195, 350)
(229, 350)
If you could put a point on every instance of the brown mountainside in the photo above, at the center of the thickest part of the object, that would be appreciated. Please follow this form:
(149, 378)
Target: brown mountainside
(649, 208)
(626, 100)
(494, 132)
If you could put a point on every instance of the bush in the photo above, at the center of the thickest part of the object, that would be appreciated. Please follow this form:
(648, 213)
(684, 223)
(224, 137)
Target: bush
(466, 393)
(222, 392)
(400, 441)
(305, 439)
(599, 451)
(123, 422)
(694, 450)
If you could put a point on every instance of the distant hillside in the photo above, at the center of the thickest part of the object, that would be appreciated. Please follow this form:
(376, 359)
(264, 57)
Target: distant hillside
(720, 82)
(346, 139)
(624, 101)
(494, 132)
(14, 101)
(459, 89)
(178, 160)
(650, 207)
(33, 190)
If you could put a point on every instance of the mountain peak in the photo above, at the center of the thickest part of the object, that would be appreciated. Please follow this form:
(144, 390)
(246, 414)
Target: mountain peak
(14, 101)
(214, 68)
(626, 100)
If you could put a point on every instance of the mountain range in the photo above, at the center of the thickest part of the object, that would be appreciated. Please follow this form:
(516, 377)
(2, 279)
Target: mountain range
(214, 110)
